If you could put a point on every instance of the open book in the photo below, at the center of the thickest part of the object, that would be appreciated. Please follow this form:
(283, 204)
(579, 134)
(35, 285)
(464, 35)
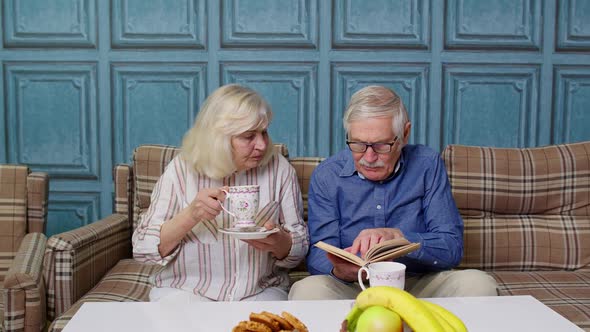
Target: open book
(386, 250)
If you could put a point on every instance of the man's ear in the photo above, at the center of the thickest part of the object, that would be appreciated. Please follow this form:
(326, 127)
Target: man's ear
(407, 130)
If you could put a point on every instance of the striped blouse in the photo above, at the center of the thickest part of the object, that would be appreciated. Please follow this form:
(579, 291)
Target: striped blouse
(210, 263)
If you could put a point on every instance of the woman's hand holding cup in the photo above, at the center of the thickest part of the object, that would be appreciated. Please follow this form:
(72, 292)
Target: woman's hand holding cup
(206, 205)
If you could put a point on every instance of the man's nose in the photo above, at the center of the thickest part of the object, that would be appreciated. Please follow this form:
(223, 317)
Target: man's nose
(370, 155)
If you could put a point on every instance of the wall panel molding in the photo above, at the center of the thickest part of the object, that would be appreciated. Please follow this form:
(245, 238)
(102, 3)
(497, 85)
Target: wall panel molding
(170, 23)
(493, 25)
(486, 100)
(52, 24)
(85, 82)
(270, 23)
(573, 26)
(291, 90)
(384, 24)
(154, 103)
(408, 80)
(572, 97)
(71, 210)
(52, 118)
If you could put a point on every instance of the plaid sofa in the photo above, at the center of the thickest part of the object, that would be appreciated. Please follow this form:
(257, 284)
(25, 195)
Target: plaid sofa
(527, 220)
(93, 263)
(23, 213)
(526, 214)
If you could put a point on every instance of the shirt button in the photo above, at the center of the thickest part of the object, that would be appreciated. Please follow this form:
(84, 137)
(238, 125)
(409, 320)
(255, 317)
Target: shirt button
(435, 262)
(379, 207)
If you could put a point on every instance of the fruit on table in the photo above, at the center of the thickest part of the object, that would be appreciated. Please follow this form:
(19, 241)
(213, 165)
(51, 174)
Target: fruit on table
(420, 315)
(414, 313)
(446, 316)
(379, 319)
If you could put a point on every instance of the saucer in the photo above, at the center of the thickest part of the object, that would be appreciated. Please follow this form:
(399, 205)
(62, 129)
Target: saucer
(250, 233)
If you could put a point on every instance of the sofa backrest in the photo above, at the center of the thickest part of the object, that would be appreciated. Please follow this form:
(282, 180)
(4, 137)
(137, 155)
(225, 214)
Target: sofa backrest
(23, 209)
(523, 209)
(304, 166)
(149, 162)
(13, 221)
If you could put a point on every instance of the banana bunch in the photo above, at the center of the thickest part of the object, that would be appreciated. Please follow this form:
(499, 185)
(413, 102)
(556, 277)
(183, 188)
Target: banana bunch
(420, 315)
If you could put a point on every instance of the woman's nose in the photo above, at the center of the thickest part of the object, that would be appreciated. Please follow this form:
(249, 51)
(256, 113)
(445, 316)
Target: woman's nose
(260, 142)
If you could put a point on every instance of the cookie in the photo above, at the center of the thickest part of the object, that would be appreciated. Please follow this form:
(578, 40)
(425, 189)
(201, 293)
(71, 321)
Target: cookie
(283, 323)
(266, 320)
(240, 328)
(250, 326)
(297, 324)
(257, 327)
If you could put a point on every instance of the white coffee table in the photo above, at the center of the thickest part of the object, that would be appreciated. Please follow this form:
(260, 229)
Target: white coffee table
(502, 313)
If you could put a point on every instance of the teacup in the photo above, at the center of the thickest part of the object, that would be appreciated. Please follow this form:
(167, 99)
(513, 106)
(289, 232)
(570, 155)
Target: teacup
(243, 204)
(384, 274)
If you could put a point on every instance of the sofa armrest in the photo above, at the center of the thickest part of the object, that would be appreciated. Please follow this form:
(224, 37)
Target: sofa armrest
(76, 260)
(24, 289)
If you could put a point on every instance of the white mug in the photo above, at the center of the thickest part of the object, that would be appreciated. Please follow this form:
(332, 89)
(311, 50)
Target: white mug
(243, 204)
(384, 274)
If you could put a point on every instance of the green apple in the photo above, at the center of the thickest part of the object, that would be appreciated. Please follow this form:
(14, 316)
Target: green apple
(379, 319)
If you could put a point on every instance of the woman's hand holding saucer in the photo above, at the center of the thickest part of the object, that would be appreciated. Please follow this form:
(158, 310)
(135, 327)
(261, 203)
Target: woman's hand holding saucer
(279, 243)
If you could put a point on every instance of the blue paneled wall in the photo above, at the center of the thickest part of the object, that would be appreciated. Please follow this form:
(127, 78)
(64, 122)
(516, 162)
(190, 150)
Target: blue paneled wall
(86, 81)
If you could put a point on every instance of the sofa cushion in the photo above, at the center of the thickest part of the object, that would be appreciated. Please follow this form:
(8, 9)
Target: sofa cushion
(526, 242)
(566, 292)
(523, 209)
(128, 281)
(547, 180)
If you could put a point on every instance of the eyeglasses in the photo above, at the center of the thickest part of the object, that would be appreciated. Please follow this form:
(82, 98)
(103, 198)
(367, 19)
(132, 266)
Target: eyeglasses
(377, 147)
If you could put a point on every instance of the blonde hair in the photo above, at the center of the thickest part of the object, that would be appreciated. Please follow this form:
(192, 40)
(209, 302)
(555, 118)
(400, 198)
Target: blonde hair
(376, 101)
(229, 111)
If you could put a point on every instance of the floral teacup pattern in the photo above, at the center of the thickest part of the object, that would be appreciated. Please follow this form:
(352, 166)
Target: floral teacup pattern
(243, 204)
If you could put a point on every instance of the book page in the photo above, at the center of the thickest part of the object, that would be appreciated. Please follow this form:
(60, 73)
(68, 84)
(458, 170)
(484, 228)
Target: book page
(389, 254)
(340, 253)
(385, 250)
(387, 245)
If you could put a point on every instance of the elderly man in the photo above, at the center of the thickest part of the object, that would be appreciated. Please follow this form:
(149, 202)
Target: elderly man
(382, 188)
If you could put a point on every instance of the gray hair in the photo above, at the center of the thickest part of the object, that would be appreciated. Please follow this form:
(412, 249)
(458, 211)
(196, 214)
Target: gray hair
(229, 111)
(376, 101)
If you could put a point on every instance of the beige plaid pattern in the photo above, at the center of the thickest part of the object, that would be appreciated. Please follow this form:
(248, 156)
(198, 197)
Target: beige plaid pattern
(23, 214)
(523, 209)
(548, 180)
(128, 281)
(304, 167)
(13, 212)
(566, 292)
(75, 261)
(37, 192)
(527, 220)
(149, 162)
(123, 179)
(24, 289)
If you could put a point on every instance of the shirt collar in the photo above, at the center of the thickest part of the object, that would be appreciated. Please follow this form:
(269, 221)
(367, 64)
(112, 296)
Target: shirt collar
(349, 169)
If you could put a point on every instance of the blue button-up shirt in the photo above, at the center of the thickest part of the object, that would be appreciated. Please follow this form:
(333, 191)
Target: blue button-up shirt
(416, 199)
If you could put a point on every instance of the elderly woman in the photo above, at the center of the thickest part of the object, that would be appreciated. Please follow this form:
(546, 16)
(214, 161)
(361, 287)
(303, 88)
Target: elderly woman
(228, 145)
